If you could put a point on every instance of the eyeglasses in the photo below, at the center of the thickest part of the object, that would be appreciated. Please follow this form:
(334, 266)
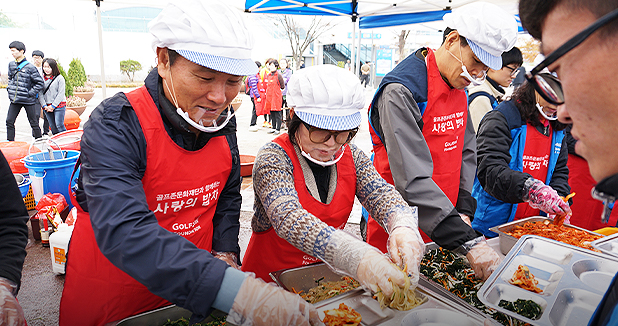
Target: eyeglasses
(512, 70)
(318, 136)
(548, 86)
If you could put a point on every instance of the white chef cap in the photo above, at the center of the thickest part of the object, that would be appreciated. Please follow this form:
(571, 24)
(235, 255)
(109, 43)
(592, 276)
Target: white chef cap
(326, 97)
(490, 30)
(208, 33)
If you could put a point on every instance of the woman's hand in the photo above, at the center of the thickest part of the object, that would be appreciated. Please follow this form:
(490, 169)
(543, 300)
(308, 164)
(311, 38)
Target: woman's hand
(49, 108)
(375, 271)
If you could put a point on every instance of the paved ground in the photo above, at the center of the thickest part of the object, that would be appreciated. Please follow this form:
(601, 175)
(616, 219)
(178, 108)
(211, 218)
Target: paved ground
(41, 288)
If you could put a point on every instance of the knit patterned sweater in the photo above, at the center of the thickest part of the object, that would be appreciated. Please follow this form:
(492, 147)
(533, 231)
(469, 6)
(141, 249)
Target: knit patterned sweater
(277, 204)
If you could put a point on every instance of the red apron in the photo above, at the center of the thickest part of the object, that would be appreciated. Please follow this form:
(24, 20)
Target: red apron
(444, 128)
(274, 97)
(535, 163)
(259, 106)
(184, 202)
(267, 252)
(586, 210)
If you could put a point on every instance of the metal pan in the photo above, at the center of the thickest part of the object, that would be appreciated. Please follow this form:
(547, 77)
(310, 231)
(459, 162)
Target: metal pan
(607, 245)
(508, 241)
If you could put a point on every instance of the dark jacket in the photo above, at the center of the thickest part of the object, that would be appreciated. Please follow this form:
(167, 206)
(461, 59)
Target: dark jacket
(13, 227)
(24, 84)
(114, 157)
(500, 180)
(493, 144)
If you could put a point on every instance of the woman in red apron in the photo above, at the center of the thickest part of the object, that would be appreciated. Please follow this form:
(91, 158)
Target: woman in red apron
(274, 96)
(305, 184)
(522, 155)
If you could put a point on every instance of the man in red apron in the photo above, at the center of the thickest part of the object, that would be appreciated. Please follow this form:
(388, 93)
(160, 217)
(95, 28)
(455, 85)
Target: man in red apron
(305, 184)
(423, 142)
(158, 195)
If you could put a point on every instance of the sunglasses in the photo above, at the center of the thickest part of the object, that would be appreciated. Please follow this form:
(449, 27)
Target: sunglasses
(319, 136)
(548, 86)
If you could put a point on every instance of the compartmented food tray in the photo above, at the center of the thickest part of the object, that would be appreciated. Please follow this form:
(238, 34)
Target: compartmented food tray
(572, 279)
(508, 241)
(436, 310)
(159, 317)
(607, 245)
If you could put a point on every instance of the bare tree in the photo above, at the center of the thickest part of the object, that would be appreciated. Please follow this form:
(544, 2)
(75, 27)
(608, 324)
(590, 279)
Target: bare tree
(401, 44)
(301, 38)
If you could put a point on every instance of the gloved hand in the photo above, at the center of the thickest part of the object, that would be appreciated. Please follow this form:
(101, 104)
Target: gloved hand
(259, 303)
(545, 198)
(466, 219)
(406, 248)
(483, 259)
(375, 270)
(228, 257)
(11, 313)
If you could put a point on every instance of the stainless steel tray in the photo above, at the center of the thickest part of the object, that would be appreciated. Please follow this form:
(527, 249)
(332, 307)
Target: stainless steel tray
(160, 316)
(508, 241)
(573, 281)
(607, 245)
(303, 278)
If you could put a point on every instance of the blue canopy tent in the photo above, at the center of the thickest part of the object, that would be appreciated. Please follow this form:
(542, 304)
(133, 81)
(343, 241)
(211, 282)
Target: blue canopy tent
(370, 13)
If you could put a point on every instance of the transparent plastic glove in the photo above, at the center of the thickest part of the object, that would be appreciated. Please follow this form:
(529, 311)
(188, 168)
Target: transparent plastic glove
(228, 257)
(261, 304)
(11, 313)
(466, 219)
(545, 198)
(482, 258)
(375, 270)
(406, 248)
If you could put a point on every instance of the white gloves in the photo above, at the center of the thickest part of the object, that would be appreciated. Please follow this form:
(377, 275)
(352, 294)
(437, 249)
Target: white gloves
(545, 198)
(483, 258)
(11, 313)
(259, 303)
(375, 270)
(406, 248)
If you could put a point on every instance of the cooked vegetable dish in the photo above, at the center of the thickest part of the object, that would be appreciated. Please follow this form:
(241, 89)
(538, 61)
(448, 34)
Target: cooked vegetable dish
(562, 233)
(526, 308)
(343, 316)
(525, 280)
(327, 290)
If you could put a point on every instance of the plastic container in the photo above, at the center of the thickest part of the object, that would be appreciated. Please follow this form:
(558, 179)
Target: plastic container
(67, 140)
(23, 183)
(59, 245)
(51, 175)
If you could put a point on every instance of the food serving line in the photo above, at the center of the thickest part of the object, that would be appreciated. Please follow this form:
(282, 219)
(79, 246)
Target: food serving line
(571, 281)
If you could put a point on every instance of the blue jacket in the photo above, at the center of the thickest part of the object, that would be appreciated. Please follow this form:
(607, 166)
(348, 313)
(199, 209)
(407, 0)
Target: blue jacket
(25, 83)
(492, 211)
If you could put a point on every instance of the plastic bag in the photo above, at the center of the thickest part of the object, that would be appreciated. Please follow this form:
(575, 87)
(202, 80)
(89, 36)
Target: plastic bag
(48, 202)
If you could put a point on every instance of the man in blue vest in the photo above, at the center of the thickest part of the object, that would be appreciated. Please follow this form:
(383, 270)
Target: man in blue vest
(421, 140)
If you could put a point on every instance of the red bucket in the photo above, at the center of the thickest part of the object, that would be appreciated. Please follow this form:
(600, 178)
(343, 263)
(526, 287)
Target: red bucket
(67, 140)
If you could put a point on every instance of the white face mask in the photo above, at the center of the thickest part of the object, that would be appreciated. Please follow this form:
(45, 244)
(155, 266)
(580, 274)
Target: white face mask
(555, 117)
(475, 81)
(321, 163)
(185, 115)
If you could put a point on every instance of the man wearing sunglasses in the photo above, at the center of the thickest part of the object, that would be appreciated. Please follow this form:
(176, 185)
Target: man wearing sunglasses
(580, 40)
(423, 142)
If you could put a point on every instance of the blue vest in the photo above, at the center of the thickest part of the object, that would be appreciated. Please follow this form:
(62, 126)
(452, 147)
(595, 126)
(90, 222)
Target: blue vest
(491, 211)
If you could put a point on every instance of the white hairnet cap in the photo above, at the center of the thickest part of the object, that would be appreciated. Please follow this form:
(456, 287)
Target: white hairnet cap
(326, 97)
(208, 33)
(490, 30)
